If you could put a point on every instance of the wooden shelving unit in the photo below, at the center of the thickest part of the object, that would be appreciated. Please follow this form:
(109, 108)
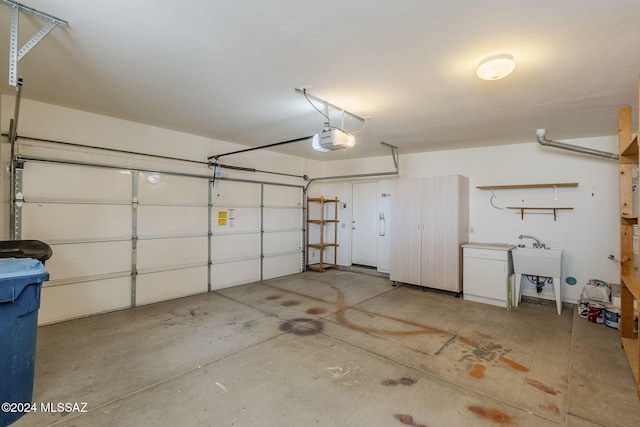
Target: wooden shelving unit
(327, 225)
(630, 282)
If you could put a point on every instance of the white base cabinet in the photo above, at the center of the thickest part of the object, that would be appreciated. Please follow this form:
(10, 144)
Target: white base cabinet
(488, 274)
(430, 220)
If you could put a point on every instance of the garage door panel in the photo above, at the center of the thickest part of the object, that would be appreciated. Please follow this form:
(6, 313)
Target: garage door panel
(282, 242)
(88, 259)
(158, 253)
(234, 220)
(282, 218)
(172, 221)
(67, 222)
(162, 188)
(82, 299)
(234, 273)
(56, 182)
(283, 265)
(236, 193)
(277, 195)
(224, 247)
(166, 285)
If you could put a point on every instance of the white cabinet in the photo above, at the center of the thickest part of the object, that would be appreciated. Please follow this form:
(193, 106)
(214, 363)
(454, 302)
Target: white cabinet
(406, 232)
(488, 272)
(430, 220)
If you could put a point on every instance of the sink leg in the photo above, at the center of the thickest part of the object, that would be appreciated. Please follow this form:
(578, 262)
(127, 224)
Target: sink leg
(556, 290)
(517, 287)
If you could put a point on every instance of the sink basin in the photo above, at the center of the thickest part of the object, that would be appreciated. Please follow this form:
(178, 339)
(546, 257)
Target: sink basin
(537, 262)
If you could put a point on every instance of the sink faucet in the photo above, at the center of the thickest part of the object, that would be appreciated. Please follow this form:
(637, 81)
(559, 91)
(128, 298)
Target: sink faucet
(537, 243)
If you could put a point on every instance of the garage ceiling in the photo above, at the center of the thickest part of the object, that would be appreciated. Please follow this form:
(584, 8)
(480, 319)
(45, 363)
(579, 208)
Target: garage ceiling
(227, 69)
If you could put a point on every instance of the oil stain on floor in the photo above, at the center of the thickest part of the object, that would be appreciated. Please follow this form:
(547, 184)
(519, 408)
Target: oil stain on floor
(491, 414)
(481, 351)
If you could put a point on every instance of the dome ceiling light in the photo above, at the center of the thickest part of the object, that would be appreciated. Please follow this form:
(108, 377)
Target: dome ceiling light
(496, 67)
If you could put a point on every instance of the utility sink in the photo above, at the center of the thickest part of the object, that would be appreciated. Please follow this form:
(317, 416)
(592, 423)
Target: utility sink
(537, 262)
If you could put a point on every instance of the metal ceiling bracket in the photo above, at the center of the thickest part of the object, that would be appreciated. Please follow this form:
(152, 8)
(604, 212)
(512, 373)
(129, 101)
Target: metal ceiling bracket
(303, 91)
(15, 54)
(394, 153)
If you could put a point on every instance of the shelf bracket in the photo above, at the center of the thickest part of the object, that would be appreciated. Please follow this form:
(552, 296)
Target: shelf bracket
(523, 208)
(15, 54)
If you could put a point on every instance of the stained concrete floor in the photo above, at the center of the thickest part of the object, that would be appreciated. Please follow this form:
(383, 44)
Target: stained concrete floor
(332, 349)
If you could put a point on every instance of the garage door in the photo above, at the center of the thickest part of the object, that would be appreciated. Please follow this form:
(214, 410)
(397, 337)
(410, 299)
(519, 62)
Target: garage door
(282, 224)
(123, 238)
(256, 232)
(84, 214)
(172, 236)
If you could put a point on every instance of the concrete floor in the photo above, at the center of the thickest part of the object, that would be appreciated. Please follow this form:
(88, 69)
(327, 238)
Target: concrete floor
(333, 349)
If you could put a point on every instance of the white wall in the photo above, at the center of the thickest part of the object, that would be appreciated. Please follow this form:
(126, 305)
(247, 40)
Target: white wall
(588, 234)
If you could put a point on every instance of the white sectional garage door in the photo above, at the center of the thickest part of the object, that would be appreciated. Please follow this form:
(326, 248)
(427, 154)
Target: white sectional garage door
(235, 244)
(282, 225)
(84, 214)
(122, 238)
(172, 230)
(257, 232)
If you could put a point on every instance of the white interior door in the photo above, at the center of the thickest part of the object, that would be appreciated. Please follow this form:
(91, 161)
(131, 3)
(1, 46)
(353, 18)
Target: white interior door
(364, 234)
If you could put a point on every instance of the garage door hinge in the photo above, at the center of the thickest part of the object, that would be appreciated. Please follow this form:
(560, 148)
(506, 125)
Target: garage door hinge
(19, 199)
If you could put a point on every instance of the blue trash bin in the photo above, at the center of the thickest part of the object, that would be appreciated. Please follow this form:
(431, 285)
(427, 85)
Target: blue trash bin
(20, 283)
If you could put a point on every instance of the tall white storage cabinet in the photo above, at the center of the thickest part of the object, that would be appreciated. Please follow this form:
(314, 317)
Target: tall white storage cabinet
(430, 222)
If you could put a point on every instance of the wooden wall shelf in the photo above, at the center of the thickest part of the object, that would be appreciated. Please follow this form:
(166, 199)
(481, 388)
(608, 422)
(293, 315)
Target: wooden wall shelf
(536, 208)
(517, 186)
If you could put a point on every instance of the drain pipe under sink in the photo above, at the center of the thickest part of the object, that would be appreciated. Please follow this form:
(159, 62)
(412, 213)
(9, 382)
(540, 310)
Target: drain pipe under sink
(542, 139)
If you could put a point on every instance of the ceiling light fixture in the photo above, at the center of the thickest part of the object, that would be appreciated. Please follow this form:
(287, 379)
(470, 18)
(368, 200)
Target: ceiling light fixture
(331, 137)
(496, 67)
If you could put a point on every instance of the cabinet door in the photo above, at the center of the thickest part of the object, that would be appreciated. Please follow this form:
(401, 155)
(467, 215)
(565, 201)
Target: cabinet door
(405, 232)
(486, 275)
(441, 250)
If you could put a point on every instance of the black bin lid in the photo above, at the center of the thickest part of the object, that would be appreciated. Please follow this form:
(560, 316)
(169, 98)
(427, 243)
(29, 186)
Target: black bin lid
(25, 249)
